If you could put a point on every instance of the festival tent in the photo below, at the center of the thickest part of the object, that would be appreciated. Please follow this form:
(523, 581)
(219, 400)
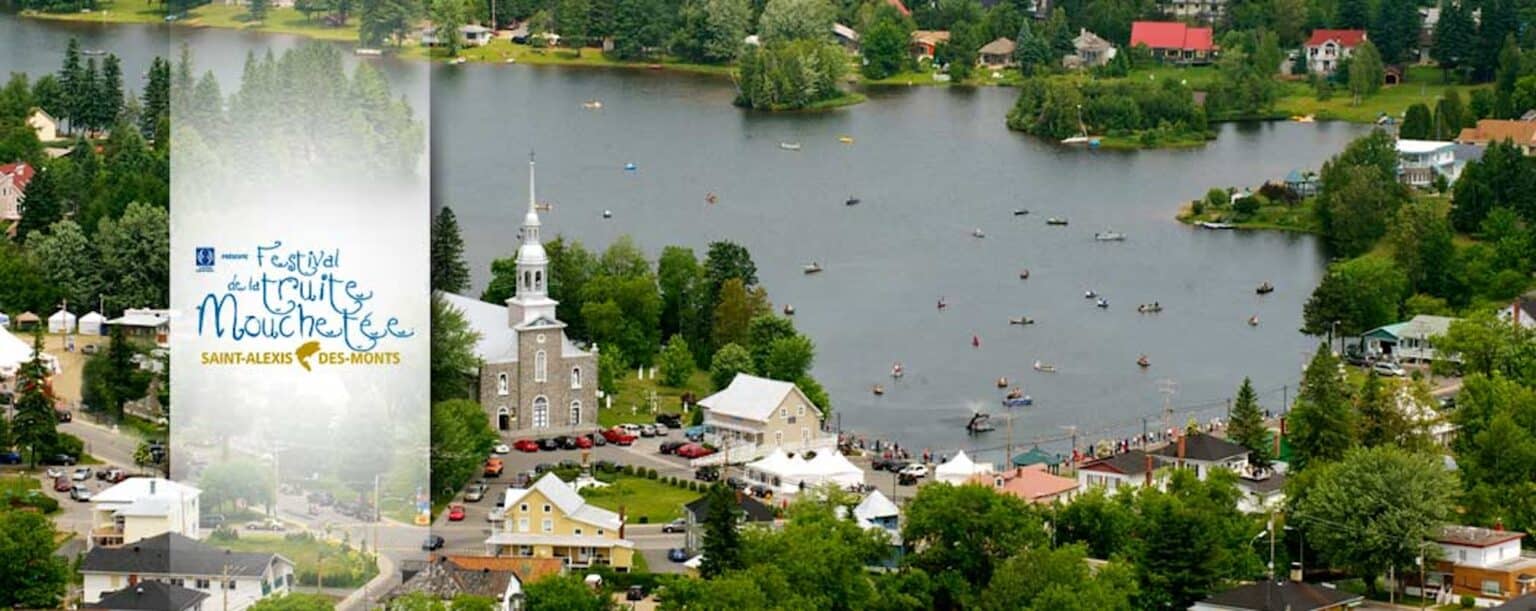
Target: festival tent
(15, 351)
(832, 467)
(92, 324)
(959, 469)
(27, 320)
(5, 319)
(61, 322)
(789, 473)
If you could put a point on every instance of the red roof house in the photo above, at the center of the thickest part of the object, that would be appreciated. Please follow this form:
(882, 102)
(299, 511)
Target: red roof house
(13, 186)
(1327, 47)
(1174, 41)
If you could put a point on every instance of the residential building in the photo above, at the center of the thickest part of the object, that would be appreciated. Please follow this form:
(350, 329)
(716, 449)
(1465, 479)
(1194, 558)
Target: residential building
(1202, 452)
(997, 54)
(1279, 595)
(138, 508)
(1133, 468)
(1420, 162)
(1522, 311)
(1303, 183)
(1326, 48)
(1175, 42)
(1522, 133)
(1263, 490)
(44, 125)
(878, 512)
(1089, 51)
(150, 596)
(749, 510)
(926, 42)
(501, 579)
(1206, 11)
(1485, 563)
(846, 37)
(13, 188)
(550, 520)
(753, 416)
(1032, 484)
(533, 379)
(476, 35)
(1408, 341)
(145, 323)
(231, 580)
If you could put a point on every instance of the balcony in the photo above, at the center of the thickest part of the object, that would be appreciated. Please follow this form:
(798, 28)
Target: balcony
(107, 536)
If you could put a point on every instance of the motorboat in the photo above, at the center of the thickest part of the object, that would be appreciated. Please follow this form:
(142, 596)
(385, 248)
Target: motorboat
(1079, 139)
(790, 146)
(845, 139)
(1265, 289)
(93, 52)
(544, 207)
(1101, 303)
(942, 304)
(1023, 401)
(1109, 236)
(1253, 321)
(456, 61)
(1015, 393)
(1021, 320)
(980, 423)
(1151, 308)
(1044, 368)
(1089, 294)
(1056, 221)
(1303, 118)
(607, 214)
(977, 233)
(630, 167)
(811, 268)
(1024, 275)
(878, 390)
(789, 310)
(1216, 225)
(852, 201)
(897, 371)
(1020, 212)
(1002, 382)
(592, 104)
(1143, 362)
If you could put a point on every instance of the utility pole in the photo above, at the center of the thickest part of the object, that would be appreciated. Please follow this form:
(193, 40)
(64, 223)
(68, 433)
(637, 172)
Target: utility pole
(1168, 387)
(1008, 458)
(224, 585)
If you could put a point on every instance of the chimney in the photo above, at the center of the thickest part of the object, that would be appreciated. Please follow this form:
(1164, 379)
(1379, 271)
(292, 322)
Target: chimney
(1149, 468)
(1498, 525)
(1018, 472)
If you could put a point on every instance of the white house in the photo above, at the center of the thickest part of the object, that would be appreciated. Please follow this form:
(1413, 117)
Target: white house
(1133, 468)
(1420, 161)
(142, 507)
(476, 35)
(752, 416)
(150, 596)
(145, 322)
(1484, 563)
(13, 188)
(1326, 48)
(1408, 340)
(1202, 453)
(232, 580)
(44, 125)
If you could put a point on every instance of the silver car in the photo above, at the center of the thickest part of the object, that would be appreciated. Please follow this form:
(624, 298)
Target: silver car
(1389, 368)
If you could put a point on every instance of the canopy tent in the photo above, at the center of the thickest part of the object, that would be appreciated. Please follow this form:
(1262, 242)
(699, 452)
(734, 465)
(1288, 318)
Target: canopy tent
(959, 469)
(5, 319)
(833, 467)
(15, 351)
(61, 322)
(92, 324)
(27, 320)
(787, 474)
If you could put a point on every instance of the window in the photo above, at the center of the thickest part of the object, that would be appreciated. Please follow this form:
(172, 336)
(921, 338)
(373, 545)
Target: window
(778, 438)
(1491, 587)
(527, 280)
(538, 280)
(522, 525)
(502, 388)
(575, 377)
(523, 508)
(201, 584)
(540, 412)
(177, 581)
(575, 412)
(577, 532)
(599, 532)
(548, 525)
(801, 410)
(784, 413)
(525, 550)
(230, 585)
(1461, 555)
(540, 367)
(546, 508)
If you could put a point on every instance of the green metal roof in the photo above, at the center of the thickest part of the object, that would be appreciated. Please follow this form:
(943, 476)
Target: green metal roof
(1035, 456)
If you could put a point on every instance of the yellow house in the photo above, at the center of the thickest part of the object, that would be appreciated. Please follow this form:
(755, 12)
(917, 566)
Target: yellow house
(752, 416)
(46, 127)
(550, 520)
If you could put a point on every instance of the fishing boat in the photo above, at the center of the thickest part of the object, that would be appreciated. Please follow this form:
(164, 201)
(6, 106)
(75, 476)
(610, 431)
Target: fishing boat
(1265, 289)
(1021, 320)
(811, 268)
(1002, 382)
(977, 233)
(592, 104)
(1023, 401)
(1101, 303)
(1089, 294)
(365, 52)
(1143, 362)
(1020, 212)
(790, 146)
(1056, 221)
(1024, 274)
(1253, 321)
(851, 201)
(607, 214)
(1216, 225)
(1109, 236)
(980, 423)
(897, 371)
(789, 310)
(93, 52)
(845, 139)
(878, 390)
(1044, 368)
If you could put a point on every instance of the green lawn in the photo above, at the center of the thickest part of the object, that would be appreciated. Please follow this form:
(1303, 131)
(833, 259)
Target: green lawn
(643, 500)
(25, 491)
(1423, 84)
(631, 403)
(279, 20)
(1298, 217)
(501, 50)
(342, 566)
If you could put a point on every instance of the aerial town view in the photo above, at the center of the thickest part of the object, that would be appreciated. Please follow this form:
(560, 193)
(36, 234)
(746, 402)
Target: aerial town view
(790, 304)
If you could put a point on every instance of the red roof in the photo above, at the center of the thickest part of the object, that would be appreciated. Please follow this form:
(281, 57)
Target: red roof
(1170, 35)
(20, 173)
(900, 8)
(1345, 38)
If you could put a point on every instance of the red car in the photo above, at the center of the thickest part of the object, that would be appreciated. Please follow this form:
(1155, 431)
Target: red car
(62, 484)
(582, 442)
(526, 445)
(455, 513)
(693, 450)
(617, 436)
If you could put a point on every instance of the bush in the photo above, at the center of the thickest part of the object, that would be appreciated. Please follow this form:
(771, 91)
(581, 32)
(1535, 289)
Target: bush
(1468, 601)
(1197, 207)
(1280, 193)
(629, 469)
(1217, 198)
(650, 474)
(1247, 206)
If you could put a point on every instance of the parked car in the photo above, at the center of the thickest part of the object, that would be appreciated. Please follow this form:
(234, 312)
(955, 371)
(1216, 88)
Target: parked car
(80, 493)
(675, 526)
(566, 442)
(543, 468)
(677, 554)
(583, 442)
(693, 450)
(661, 429)
(549, 444)
(64, 415)
(597, 439)
(619, 436)
(523, 479)
(1389, 368)
(1448, 402)
(648, 430)
(55, 472)
(882, 464)
(635, 592)
(494, 467)
(631, 428)
(570, 463)
(10, 458)
(669, 447)
(526, 445)
(433, 542)
(906, 479)
(455, 513)
(474, 494)
(736, 483)
(59, 459)
(707, 474)
(62, 484)
(1357, 358)
(112, 475)
(212, 520)
(266, 524)
(915, 470)
(82, 474)
(501, 448)
(694, 433)
(671, 420)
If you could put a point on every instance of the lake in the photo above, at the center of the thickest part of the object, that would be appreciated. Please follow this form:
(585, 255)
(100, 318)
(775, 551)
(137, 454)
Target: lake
(930, 166)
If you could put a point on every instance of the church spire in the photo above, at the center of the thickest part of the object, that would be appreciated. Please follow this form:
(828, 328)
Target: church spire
(531, 220)
(531, 300)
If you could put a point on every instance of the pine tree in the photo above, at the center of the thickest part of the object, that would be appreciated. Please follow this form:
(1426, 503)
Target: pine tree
(1247, 426)
(257, 9)
(1504, 84)
(1396, 29)
(110, 90)
(1322, 425)
(1030, 51)
(1354, 14)
(35, 425)
(42, 204)
(121, 372)
(70, 77)
(449, 272)
(1455, 40)
(91, 104)
(1418, 124)
(1450, 115)
(155, 102)
(722, 540)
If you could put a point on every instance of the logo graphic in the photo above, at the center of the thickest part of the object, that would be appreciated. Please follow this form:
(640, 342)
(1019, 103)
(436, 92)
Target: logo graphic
(205, 258)
(306, 350)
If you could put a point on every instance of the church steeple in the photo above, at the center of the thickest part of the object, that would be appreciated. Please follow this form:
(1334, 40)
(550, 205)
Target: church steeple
(532, 298)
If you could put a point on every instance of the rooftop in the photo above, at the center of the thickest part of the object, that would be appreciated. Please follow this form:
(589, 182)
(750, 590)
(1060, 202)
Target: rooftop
(1282, 596)
(1001, 46)
(1028, 483)
(1170, 35)
(1344, 38)
(564, 497)
(1133, 462)
(175, 554)
(749, 397)
(1422, 146)
(1203, 447)
(1476, 536)
(1494, 130)
(149, 596)
(753, 509)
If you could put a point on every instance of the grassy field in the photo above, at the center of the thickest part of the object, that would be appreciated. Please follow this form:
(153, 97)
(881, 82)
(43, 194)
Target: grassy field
(631, 402)
(279, 20)
(1423, 84)
(643, 500)
(344, 567)
(1298, 217)
(502, 50)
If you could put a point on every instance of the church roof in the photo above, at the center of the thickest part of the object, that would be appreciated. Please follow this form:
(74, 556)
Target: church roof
(498, 342)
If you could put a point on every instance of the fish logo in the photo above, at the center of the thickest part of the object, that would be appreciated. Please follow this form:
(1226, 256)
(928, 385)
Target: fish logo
(306, 350)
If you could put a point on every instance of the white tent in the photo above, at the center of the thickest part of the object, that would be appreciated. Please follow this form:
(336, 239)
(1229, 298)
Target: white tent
(5, 320)
(92, 324)
(832, 467)
(61, 322)
(14, 351)
(787, 473)
(960, 469)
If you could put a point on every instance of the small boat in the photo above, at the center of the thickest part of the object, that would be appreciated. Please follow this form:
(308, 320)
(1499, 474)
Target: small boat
(365, 52)
(980, 423)
(629, 167)
(1044, 368)
(1101, 303)
(845, 139)
(654, 66)
(897, 371)
(1015, 393)
(1021, 320)
(607, 214)
(592, 104)
(1024, 275)
(942, 304)
(1056, 221)
(789, 310)
(1303, 118)
(710, 198)
(1253, 321)
(1080, 139)
(977, 233)
(1023, 401)
(93, 52)
(1109, 236)
(1152, 308)
(1002, 382)
(1216, 225)
(852, 201)
(878, 390)
(456, 61)
(510, 60)
(1020, 212)
(811, 268)
(790, 146)
(975, 341)
(1265, 289)
(1143, 362)
(1089, 294)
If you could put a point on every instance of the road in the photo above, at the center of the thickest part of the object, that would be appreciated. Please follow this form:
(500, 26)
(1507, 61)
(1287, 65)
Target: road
(115, 447)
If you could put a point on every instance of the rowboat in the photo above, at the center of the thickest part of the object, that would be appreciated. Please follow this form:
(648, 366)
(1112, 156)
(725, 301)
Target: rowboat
(1265, 289)
(1109, 236)
(811, 268)
(1044, 368)
(845, 139)
(790, 146)
(1018, 402)
(1056, 221)
(1215, 225)
(1021, 320)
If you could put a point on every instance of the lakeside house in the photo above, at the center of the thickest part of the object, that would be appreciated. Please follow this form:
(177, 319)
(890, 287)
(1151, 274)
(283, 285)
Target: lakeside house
(1263, 489)
(138, 508)
(876, 511)
(232, 580)
(1133, 468)
(44, 125)
(1326, 48)
(1522, 133)
(1484, 563)
(749, 510)
(1420, 162)
(1205, 11)
(1521, 311)
(1302, 182)
(550, 520)
(145, 323)
(1174, 42)
(900, 7)
(1202, 452)
(1409, 340)
(926, 42)
(1279, 595)
(1088, 51)
(449, 576)
(150, 596)
(753, 416)
(14, 178)
(1031, 484)
(997, 54)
